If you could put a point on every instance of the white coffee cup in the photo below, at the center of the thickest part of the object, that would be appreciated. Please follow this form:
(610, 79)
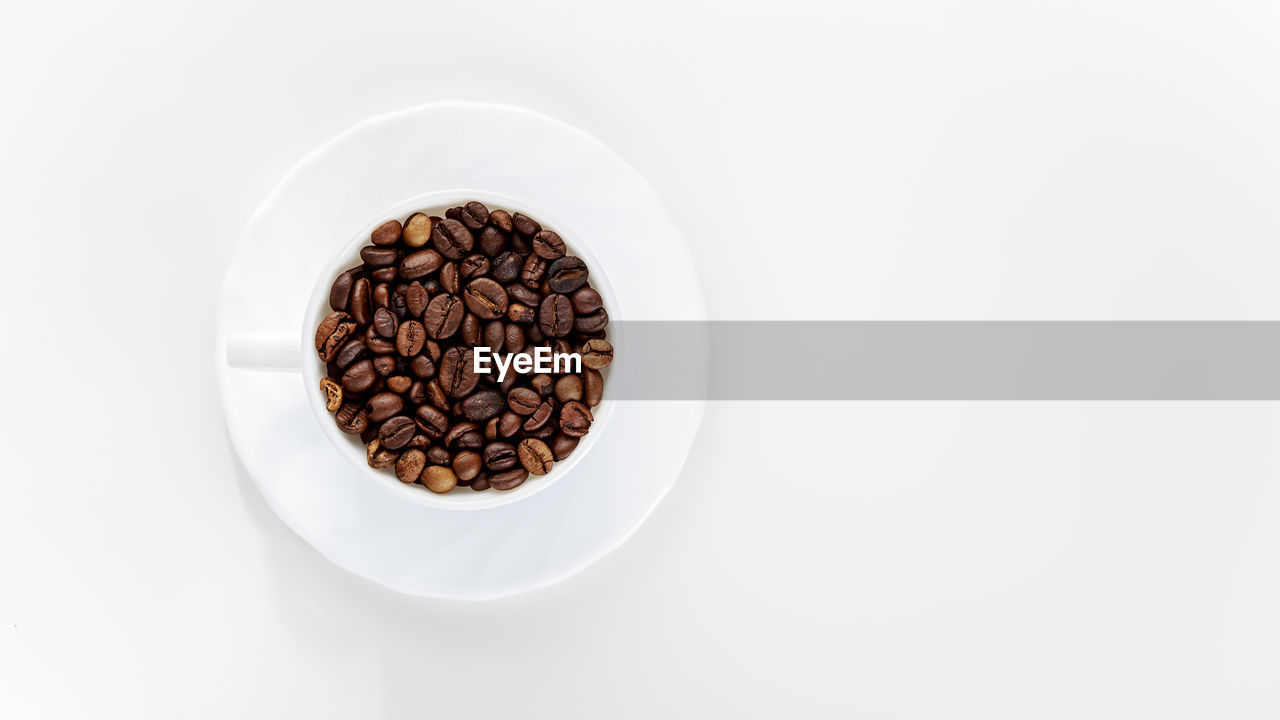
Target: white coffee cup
(297, 354)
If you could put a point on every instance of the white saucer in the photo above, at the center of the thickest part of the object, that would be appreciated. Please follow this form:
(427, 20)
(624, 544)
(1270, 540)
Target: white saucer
(341, 186)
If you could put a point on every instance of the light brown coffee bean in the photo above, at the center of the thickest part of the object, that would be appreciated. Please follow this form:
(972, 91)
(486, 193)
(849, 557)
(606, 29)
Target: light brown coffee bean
(467, 464)
(597, 353)
(535, 456)
(379, 457)
(417, 230)
(439, 479)
(410, 465)
(332, 394)
(569, 388)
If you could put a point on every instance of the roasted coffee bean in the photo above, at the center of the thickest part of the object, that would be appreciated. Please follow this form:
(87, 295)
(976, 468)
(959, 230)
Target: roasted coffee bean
(523, 401)
(467, 464)
(587, 301)
(521, 245)
(492, 241)
(469, 331)
(508, 382)
(567, 274)
(575, 419)
(522, 294)
(506, 267)
(410, 466)
(417, 230)
(410, 337)
(386, 234)
(359, 377)
(437, 396)
(421, 366)
(340, 292)
(433, 351)
(384, 274)
(379, 457)
(509, 480)
(535, 456)
(450, 278)
(332, 334)
(384, 365)
(384, 405)
(481, 482)
(482, 405)
(593, 387)
(438, 456)
(490, 429)
(351, 419)
(495, 334)
(443, 316)
(514, 339)
(486, 298)
(555, 316)
(384, 321)
(432, 422)
(420, 264)
(532, 271)
(543, 433)
(416, 299)
(548, 244)
(525, 225)
(474, 215)
(534, 335)
(381, 297)
(501, 219)
(509, 424)
(500, 456)
(332, 394)
(459, 430)
(452, 239)
(562, 445)
(378, 256)
(399, 383)
(597, 353)
(439, 479)
(569, 388)
(377, 344)
(360, 306)
(457, 372)
(396, 432)
(593, 323)
(540, 416)
(542, 384)
(369, 434)
(520, 314)
(417, 394)
(473, 266)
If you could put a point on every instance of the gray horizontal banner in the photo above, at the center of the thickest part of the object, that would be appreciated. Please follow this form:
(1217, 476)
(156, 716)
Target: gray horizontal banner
(927, 360)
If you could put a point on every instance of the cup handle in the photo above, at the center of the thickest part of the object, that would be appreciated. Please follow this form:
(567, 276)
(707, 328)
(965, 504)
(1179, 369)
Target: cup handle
(258, 351)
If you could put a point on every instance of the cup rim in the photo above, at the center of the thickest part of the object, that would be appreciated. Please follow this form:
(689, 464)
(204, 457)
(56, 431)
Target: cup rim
(352, 449)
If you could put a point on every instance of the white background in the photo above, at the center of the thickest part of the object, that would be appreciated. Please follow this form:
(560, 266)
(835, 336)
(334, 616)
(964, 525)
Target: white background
(926, 160)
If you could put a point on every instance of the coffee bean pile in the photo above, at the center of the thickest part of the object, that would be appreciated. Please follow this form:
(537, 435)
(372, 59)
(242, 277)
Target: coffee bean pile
(398, 348)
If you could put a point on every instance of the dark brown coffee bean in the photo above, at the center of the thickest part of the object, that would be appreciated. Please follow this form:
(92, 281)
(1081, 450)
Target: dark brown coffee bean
(379, 457)
(514, 340)
(495, 334)
(593, 387)
(437, 396)
(518, 313)
(555, 316)
(569, 388)
(378, 256)
(534, 334)
(597, 353)
(410, 466)
(474, 215)
(508, 382)
(432, 422)
(481, 482)
(525, 225)
(377, 344)
(332, 394)
(540, 416)
(438, 456)
(350, 353)
(381, 298)
(420, 263)
(439, 479)
(384, 322)
(567, 274)
(384, 405)
(501, 219)
(509, 424)
(369, 434)
(351, 419)
(399, 383)
(492, 241)
(416, 299)
(500, 456)
(433, 351)
(450, 278)
(532, 271)
(506, 267)
(542, 384)
(562, 446)
(443, 316)
(417, 230)
(332, 334)
(575, 419)
(587, 301)
(457, 372)
(360, 305)
(548, 244)
(521, 246)
(340, 292)
(486, 298)
(384, 274)
(523, 401)
(417, 394)
(359, 377)
(410, 337)
(483, 405)
(384, 365)
(467, 464)
(593, 323)
(469, 331)
(473, 266)
(522, 294)
(535, 456)
(509, 480)
(490, 428)
(396, 432)
(386, 234)
(421, 366)
(456, 432)
(452, 239)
